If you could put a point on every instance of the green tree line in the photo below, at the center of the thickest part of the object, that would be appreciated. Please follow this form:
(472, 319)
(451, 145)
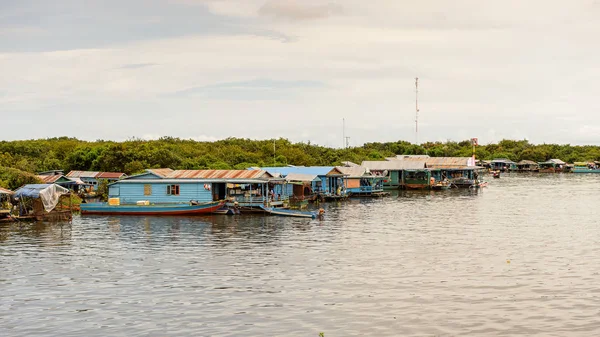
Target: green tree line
(20, 159)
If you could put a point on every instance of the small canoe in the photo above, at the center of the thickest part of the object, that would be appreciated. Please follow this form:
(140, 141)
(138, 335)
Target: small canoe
(290, 212)
(103, 208)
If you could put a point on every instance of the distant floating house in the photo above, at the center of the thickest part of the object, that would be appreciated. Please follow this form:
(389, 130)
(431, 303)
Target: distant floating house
(359, 181)
(552, 166)
(503, 165)
(394, 171)
(330, 186)
(527, 166)
(57, 179)
(5, 205)
(418, 171)
(92, 178)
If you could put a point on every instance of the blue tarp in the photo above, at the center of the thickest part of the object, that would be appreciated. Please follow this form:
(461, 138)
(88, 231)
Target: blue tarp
(31, 191)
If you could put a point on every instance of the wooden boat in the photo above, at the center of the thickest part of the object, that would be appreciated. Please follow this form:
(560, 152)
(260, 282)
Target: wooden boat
(440, 186)
(153, 209)
(226, 210)
(581, 167)
(496, 174)
(290, 212)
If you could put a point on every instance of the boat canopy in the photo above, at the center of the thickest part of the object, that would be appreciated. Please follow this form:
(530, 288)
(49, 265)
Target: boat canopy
(48, 193)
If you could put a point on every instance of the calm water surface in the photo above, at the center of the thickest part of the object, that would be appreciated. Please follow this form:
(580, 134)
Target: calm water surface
(521, 257)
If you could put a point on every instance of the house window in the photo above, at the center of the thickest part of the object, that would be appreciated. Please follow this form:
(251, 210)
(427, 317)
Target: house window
(173, 190)
(147, 189)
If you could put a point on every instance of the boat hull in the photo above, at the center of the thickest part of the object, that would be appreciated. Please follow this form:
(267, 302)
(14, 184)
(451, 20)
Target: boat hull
(161, 209)
(585, 170)
(290, 213)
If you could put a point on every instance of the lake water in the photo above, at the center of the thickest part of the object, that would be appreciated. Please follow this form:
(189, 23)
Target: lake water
(520, 257)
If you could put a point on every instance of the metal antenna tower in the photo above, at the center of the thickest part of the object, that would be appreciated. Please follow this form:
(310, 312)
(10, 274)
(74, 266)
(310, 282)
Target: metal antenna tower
(417, 110)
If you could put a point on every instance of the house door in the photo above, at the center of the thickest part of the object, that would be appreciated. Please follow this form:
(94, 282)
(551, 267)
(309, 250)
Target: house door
(219, 191)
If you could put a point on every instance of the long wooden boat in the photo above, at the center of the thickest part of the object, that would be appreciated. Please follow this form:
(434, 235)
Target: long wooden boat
(290, 212)
(585, 170)
(155, 209)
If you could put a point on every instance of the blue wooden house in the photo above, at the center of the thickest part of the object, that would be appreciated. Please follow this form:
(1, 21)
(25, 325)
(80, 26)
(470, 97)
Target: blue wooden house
(328, 185)
(503, 164)
(242, 188)
(359, 181)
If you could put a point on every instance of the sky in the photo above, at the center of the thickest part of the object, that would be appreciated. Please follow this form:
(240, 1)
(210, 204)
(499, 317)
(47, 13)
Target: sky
(301, 70)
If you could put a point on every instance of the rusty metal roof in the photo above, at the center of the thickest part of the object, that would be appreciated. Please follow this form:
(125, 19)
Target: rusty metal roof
(219, 174)
(95, 174)
(5, 191)
(110, 175)
(161, 172)
(49, 179)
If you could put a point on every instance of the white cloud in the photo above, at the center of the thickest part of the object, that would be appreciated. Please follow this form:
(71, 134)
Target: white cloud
(494, 71)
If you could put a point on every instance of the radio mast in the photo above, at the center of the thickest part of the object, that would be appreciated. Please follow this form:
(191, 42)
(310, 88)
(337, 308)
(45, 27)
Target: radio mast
(417, 110)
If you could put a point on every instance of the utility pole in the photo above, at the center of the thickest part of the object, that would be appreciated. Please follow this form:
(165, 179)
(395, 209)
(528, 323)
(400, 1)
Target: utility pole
(274, 161)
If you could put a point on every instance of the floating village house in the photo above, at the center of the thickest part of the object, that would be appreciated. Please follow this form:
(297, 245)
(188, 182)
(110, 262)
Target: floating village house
(552, 166)
(329, 186)
(395, 172)
(527, 166)
(359, 181)
(5, 205)
(58, 179)
(43, 202)
(416, 172)
(244, 188)
(302, 185)
(503, 164)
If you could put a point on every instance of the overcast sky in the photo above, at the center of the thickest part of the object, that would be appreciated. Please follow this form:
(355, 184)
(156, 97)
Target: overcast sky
(211, 69)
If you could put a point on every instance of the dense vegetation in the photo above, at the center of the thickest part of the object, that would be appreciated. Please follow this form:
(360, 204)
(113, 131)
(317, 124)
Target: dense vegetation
(132, 156)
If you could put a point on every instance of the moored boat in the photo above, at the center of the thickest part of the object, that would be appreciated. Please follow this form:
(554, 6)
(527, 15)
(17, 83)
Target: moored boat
(582, 167)
(102, 208)
(289, 212)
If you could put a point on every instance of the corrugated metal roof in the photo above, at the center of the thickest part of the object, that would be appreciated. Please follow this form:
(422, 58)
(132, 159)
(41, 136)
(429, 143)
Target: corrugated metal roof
(349, 164)
(394, 165)
(503, 160)
(301, 177)
(355, 171)
(110, 175)
(526, 162)
(444, 162)
(317, 170)
(411, 156)
(557, 161)
(161, 172)
(82, 174)
(49, 179)
(196, 181)
(219, 174)
(5, 191)
(94, 174)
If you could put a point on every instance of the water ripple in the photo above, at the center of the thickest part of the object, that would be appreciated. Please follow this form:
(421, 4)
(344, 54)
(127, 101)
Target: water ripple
(521, 257)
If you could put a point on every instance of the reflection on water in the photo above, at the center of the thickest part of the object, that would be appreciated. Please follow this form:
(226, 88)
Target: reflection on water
(518, 258)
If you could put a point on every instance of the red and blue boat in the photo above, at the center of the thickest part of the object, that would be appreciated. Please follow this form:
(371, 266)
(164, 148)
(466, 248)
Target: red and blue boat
(191, 208)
